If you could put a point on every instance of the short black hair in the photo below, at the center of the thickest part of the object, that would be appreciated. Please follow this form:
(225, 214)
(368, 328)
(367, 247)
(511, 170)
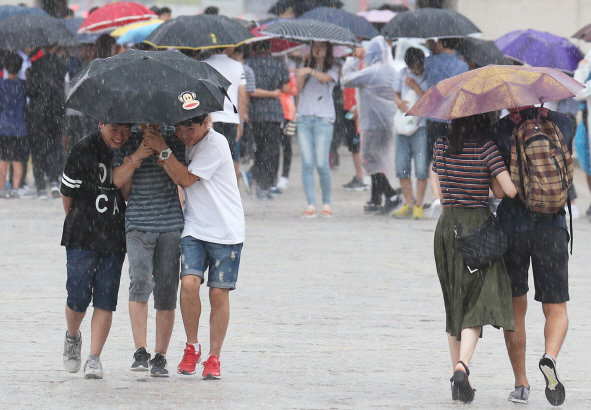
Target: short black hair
(212, 10)
(262, 45)
(104, 45)
(123, 124)
(13, 63)
(451, 43)
(200, 119)
(164, 10)
(414, 57)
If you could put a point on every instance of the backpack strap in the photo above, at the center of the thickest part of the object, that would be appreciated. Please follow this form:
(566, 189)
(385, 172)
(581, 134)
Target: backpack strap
(570, 214)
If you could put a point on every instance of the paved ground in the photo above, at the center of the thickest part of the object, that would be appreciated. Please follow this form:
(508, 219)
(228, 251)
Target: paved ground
(341, 313)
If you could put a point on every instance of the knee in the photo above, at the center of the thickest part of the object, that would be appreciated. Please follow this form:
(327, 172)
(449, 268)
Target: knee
(218, 296)
(190, 285)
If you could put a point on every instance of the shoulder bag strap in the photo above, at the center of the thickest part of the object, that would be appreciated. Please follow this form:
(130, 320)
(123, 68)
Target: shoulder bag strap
(447, 189)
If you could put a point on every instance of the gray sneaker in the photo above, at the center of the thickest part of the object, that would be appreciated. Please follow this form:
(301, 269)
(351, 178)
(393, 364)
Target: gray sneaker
(140, 360)
(158, 366)
(519, 395)
(72, 349)
(356, 184)
(93, 369)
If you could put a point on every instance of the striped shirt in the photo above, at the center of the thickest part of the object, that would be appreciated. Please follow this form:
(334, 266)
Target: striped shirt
(469, 173)
(315, 99)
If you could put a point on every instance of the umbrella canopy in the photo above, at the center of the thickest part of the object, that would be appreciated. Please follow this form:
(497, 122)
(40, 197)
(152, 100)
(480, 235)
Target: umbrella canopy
(111, 16)
(73, 25)
(356, 24)
(152, 87)
(199, 32)
(482, 52)
(493, 88)
(305, 31)
(299, 7)
(278, 45)
(139, 34)
(584, 33)
(30, 30)
(118, 32)
(540, 49)
(428, 23)
(377, 16)
(11, 11)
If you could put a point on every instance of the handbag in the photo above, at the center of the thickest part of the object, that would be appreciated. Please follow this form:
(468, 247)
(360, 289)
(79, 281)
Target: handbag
(404, 125)
(482, 246)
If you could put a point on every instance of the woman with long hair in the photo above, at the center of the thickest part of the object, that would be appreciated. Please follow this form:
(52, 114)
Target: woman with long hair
(465, 166)
(315, 122)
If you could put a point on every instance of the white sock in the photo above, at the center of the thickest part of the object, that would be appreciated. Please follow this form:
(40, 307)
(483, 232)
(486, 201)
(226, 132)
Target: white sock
(197, 346)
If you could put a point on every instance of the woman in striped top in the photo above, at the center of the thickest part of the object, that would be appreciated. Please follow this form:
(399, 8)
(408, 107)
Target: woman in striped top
(464, 167)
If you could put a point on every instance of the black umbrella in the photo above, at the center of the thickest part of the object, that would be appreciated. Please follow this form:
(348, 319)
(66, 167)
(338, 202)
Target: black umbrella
(482, 52)
(29, 30)
(299, 7)
(199, 32)
(147, 87)
(305, 31)
(356, 24)
(429, 23)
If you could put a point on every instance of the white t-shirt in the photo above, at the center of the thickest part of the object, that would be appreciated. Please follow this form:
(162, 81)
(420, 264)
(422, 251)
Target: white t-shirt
(213, 209)
(234, 73)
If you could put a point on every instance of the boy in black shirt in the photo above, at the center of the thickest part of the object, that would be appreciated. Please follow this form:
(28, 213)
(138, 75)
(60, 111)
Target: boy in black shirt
(94, 237)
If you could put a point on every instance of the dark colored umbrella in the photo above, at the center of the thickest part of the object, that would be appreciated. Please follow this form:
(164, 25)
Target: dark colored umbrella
(11, 11)
(305, 31)
(152, 87)
(299, 7)
(356, 24)
(584, 33)
(482, 52)
(31, 30)
(199, 32)
(429, 23)
(73, 25)
(540, 49)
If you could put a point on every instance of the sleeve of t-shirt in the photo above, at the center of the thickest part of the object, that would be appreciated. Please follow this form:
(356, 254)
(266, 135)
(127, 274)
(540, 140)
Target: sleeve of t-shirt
(242, 76)
(73, 176)
(204, 164)
(434, 159)
(251, 84)
(334, 73)
(493, 160)
(284, 74)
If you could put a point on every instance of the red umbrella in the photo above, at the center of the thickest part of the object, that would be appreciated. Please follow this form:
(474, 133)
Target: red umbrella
(114, 15)
(278, 45)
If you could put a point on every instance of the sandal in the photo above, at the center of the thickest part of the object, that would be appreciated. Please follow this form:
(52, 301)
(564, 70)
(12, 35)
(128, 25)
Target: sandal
(454, 389)
(460, 379)
(310, 212)
(326, 211)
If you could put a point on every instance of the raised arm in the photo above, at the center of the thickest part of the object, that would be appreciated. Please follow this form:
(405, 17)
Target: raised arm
(123, 174)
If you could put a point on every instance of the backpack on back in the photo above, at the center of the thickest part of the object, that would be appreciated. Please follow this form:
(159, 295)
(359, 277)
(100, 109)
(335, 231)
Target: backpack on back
(541, 165)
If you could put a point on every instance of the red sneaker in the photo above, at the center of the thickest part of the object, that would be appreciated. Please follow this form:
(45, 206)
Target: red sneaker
(211, 368)
(190, 360)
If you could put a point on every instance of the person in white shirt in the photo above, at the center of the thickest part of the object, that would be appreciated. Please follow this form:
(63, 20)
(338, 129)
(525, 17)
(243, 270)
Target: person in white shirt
(213, 234)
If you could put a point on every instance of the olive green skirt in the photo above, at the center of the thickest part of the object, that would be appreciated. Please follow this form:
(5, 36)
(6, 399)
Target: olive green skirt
(471, 299)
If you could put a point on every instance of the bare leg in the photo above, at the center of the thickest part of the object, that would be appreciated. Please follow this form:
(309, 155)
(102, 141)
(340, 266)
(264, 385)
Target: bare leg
(357, 163)
(100, 327)
(164, 326)
(406, 185)
(454, 350)
(138, 313)
(556, 327)
(219, 319)
(468, 345)
(3, 170)
(516, 341)
(74, 320)
(421, 189)
(190, 306)
(589, 182)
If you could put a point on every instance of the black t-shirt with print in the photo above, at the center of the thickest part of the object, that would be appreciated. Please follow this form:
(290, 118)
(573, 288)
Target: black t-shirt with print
(96, 221)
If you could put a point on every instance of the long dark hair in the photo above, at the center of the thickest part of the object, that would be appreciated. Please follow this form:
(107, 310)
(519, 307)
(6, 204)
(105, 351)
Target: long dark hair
(329, 60)
(473, 127)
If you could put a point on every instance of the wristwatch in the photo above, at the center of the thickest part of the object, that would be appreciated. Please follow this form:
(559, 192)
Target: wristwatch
(165, 154)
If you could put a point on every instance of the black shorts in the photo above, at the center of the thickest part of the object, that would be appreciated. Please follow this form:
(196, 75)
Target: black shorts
(548, 251)
(351, 135)
(14, 149)
(230, 131)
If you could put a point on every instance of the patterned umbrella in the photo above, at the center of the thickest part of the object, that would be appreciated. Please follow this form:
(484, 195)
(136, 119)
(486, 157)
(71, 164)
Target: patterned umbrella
(493, 88)
(111, 16)
(122, 30)
(356, 24)
(305, 31)
(29, 30)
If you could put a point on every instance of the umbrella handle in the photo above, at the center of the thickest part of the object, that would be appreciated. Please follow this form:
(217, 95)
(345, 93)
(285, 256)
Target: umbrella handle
(225, 92)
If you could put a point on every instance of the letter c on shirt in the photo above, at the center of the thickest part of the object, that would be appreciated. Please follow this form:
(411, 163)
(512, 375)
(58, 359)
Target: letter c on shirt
(98, 199)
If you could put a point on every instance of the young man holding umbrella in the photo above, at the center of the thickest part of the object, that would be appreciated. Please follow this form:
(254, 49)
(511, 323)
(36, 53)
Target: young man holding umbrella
(212, 237)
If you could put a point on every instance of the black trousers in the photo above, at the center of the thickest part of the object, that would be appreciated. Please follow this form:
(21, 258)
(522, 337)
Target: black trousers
(267, 137)
(45, 134)
(380, 186)
(287, 154)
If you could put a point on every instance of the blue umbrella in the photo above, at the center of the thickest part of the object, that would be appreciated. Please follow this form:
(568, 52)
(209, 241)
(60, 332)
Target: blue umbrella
(356, 24)
(11, 11)
(73, 25)
(137, 35)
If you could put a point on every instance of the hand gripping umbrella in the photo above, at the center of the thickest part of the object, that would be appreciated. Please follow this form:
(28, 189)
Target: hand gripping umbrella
(493, 88)
(152, 87)
(356, 24)
(428, 23)
(29, 30)
(199, 32)
(306, 31)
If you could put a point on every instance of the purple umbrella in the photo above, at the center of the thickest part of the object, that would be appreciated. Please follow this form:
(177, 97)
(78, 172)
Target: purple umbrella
(540, 49)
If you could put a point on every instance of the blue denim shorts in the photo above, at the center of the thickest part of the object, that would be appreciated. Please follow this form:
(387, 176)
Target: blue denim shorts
(93, 276)
(222, 261)
(410, 147)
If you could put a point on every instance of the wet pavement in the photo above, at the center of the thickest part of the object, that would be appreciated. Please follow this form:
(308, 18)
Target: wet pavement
(330, 313)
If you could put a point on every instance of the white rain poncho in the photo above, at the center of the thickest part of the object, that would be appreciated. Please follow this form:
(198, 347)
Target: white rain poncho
(375, 105)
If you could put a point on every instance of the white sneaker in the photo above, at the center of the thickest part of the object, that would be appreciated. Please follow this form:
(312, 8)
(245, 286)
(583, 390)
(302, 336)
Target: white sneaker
(367, 180)
(282, 183)
(434, 211)
(25, 193)
(93, 369)
(72, 352)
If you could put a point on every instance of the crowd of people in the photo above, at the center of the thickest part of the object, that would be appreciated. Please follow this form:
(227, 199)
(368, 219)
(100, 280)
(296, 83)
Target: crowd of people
(119, 185)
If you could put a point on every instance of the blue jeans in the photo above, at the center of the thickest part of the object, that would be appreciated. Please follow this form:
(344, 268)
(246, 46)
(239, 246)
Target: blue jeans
(314, 138)
(412, 146)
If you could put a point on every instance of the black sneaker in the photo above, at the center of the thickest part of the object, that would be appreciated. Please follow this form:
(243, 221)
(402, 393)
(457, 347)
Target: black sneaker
(140, 360)
(390, 205)
(555, 392)
(371, 208)
(158, 366)
(355, 185)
